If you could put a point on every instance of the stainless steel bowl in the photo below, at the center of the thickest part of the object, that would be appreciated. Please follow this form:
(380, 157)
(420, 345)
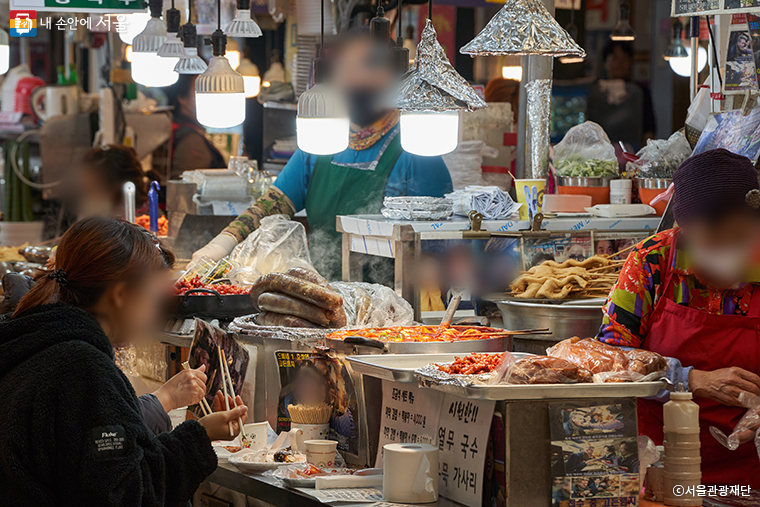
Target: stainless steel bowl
(563, 320)
(604, 181)
(654, 183)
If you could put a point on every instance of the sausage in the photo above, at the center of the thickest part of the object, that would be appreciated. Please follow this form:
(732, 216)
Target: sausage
(337, 318)
(308, 275)
(322, 297)
(280, 303)
(280, 320)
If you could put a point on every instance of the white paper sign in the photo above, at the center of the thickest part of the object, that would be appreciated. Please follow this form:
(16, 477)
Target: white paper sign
(352, 495)
(409, 415)
(463, 430)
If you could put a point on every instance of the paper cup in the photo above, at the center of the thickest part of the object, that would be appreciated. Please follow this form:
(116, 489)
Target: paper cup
(321, 453)
(530, 204)
(257, 434)
(312, 431)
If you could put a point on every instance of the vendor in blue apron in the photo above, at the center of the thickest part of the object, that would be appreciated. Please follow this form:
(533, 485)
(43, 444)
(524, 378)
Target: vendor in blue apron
(353, 181)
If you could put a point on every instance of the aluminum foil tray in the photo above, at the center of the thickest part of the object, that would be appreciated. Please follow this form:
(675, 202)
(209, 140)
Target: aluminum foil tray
(402, 214)
(417, 203)
(401, 367)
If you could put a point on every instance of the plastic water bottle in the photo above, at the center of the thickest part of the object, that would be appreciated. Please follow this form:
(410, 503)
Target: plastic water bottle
(683, 463)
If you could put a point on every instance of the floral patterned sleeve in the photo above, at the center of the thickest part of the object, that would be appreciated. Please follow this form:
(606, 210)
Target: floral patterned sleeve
(273, 202)
(631, 301)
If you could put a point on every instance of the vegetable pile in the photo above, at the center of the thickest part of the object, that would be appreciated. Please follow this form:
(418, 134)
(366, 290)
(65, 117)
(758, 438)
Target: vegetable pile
(575, 166)
(182, 286)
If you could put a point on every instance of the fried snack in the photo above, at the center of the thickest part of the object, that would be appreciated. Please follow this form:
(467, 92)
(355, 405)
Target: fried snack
(310, 414)
(645, 361)
(12, 254)
(553, 280)
(548, 370)
(591, 354)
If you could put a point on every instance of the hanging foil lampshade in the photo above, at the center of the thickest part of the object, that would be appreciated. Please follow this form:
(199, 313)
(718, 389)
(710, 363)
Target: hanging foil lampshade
(430, 98)
(523, 27)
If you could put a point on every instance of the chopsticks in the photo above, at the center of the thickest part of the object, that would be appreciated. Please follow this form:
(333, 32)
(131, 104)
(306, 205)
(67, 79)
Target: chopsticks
(203, 404)
(225, 371)
(224, 387)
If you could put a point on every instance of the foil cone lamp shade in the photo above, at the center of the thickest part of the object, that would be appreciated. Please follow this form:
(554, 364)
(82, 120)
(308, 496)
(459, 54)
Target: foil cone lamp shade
(190, 62)
(430, 97)
(219, 91)
(149, 69)
(172, 47)
(243, 25)
(523, 27)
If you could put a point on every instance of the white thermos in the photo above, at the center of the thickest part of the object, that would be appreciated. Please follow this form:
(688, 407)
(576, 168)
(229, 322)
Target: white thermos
(683, 463)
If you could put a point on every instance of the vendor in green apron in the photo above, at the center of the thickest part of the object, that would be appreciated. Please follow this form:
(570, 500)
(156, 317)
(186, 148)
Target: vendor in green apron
(351, 182)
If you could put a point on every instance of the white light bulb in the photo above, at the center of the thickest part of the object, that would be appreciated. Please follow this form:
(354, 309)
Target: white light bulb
(128, 53)
(220, 110)
(149, 69)
(512, 72)
(134, 24)
(233, 57)
(5, 58)
(252, 86)
(322, 136)
(429, 134)
(682, 66)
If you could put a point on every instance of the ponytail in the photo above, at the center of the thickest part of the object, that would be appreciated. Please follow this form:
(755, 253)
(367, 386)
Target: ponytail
(93, 254)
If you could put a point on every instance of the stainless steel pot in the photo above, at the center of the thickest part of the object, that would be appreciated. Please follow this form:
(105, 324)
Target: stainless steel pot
(563, 320)
(654, 183)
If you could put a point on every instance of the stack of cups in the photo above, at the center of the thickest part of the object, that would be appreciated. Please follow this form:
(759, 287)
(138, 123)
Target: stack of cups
(683, 471)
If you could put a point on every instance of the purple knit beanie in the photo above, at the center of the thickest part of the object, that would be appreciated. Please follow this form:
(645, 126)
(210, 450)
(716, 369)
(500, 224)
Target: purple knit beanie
(713, 183)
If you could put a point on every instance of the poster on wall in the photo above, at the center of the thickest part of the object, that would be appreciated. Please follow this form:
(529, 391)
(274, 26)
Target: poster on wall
(732, 131)
(594, 454)
(695, 7)
(732, 6)
(740, 71)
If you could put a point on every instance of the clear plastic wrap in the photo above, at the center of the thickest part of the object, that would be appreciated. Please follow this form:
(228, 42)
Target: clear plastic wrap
(660, 157)
(548, 370)
(585, 152)
(276, 246)
(591, 354)
(373, 305)
(748, 425)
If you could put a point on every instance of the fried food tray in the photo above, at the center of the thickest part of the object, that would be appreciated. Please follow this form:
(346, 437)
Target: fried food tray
(401, 368)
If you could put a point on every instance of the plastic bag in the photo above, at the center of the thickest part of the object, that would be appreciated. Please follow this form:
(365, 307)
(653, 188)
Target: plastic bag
(276, 246)
(548, 370)
(465, 163)
(585, 152)
(373, 305)
(750, 422)
(590, 354)
(660, 157)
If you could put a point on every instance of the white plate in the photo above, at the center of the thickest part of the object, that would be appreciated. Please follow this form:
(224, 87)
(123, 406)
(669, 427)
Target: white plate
(248, 467)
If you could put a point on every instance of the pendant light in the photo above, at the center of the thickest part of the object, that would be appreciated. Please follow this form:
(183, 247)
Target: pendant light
(233, 53)
(623, 31)
(523, 27)
(219, 91)
(572, 30)
(400, 54)
(322, 125)
(251, 77)
(173, 47)
(190, 62)
(5, 52)
(380, 26)
(132, 26)
(243, 25)
(149, 69)
(676, 48)
(430, 98)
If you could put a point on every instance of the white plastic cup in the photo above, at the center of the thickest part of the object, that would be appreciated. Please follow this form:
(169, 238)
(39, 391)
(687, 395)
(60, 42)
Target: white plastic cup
(312, 431)
(321, 453)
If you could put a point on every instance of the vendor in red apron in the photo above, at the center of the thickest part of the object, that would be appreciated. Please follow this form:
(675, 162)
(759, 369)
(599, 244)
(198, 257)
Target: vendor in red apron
(353, 181)
(690, 294)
